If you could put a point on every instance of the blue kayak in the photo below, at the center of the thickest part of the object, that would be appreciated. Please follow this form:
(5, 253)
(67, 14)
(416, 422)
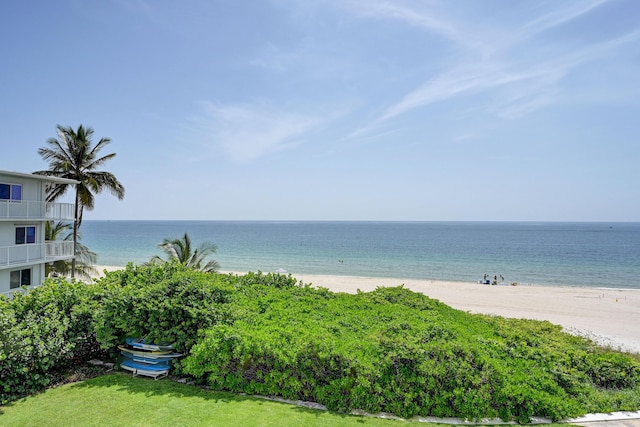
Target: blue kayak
(140, 343)
(167, 355)
(144, 366)
(147, 360)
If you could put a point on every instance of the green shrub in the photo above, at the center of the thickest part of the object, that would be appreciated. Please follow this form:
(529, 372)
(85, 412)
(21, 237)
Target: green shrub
(42, 332)
(397, 351)
(389, 350)
(164, 303)
(613, 370)
(273, 280)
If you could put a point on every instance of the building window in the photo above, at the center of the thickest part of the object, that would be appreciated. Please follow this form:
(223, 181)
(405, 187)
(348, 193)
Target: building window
(11, 192)
(20, 278)
(25, 235)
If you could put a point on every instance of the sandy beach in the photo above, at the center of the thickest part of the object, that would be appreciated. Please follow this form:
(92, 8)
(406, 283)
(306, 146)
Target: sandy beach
(610, 317)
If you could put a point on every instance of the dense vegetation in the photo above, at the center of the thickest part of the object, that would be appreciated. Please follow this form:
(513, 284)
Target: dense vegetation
(389, 350)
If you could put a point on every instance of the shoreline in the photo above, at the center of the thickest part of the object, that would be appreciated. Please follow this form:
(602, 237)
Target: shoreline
(608, 316)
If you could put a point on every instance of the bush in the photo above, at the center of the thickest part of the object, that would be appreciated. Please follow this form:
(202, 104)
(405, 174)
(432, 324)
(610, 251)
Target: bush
(43, 332)
(389, 350)
(397, 351)
(613, 371)
(164, 303)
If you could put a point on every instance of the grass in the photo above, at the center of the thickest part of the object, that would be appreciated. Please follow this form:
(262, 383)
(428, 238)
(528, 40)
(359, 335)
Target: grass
(121, 400)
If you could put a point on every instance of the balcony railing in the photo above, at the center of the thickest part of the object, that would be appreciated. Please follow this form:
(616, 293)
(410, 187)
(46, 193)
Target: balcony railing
(59, 211)
(26, 209)
(43, 252)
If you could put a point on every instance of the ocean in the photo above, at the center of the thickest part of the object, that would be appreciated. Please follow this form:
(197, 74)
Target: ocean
(603, 255)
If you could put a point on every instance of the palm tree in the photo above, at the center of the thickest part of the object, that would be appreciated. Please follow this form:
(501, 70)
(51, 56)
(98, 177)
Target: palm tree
(72, 156)
(181, 250)
(86, 258)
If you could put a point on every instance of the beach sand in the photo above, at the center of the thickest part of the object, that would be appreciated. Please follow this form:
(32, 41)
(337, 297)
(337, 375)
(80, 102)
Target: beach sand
(610, 317)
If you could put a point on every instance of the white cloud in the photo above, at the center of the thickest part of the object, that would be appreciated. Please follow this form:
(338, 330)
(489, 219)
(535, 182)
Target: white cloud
(518, 86)
(421, 14)
(466, 79)
(249, 132)
(561, 15)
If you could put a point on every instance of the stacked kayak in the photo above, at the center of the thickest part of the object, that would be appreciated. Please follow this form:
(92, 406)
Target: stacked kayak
(148, 359)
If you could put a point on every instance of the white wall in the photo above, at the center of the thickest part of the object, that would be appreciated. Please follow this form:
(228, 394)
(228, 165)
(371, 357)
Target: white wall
(32, 190)
(37, 273)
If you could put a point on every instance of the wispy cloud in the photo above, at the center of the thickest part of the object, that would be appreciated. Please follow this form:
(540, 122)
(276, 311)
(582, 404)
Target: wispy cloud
(518, 84)
(564, 13)
(526, 87)
(421, 14)
(249, 132)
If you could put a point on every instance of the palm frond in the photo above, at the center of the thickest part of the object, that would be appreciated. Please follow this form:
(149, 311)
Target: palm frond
(71, 155)
(100, 181)
(85, 258)
(181, 250)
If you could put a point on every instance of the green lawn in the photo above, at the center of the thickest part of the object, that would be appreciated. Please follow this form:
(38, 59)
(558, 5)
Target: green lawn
(121, 400)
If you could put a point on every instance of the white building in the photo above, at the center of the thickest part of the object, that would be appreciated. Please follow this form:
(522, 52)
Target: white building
(23, 215)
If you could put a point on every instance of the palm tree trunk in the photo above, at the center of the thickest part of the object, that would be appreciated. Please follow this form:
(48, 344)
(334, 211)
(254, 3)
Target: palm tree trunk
(75, 237)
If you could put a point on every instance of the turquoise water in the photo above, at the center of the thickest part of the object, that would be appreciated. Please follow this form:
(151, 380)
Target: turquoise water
(560, 254)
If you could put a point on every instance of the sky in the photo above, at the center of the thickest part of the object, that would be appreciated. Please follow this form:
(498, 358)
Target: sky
(408, 110)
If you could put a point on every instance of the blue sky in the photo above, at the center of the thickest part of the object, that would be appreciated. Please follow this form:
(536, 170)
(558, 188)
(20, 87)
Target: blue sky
(336, 109)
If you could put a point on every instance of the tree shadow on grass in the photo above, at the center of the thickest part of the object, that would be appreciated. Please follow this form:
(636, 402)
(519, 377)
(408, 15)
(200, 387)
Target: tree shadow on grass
(257, 409)
(161, 387)
(166, 387)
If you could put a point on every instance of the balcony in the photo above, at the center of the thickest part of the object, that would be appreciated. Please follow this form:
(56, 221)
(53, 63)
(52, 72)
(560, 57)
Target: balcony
(35, 253)
(25, 209)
